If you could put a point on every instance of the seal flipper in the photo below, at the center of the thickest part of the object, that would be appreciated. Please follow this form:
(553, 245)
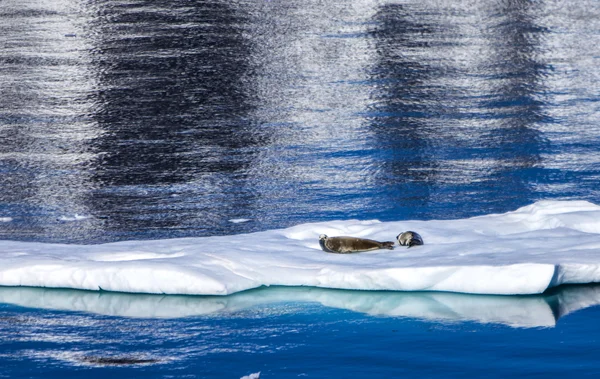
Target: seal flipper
(387, 245)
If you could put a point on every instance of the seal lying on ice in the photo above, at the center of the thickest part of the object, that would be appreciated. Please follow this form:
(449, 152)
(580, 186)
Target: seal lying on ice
(409, 239)
(345, 245)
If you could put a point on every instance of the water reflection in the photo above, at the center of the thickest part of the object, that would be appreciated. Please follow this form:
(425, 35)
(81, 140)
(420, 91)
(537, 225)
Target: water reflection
(174, 104)
(515, 311)
(406, 101)
(311, 64)
(145, 120)
(515, 74)
(453, 119)
(46, 154)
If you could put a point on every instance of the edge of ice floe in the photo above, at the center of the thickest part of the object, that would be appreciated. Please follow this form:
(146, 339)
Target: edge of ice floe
(516, 253)
(513, 279)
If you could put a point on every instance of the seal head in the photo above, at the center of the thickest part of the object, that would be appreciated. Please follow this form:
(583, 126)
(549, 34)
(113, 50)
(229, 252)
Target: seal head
(346, 245)
(409, 239)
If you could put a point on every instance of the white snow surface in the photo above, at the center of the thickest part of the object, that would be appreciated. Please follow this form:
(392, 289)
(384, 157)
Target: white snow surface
(526, 251)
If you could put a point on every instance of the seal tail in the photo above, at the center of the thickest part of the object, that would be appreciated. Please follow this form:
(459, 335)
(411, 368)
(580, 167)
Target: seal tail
(387, 245)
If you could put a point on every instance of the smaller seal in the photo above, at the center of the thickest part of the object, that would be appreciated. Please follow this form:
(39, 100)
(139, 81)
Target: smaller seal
(409, 239)
(346, 245)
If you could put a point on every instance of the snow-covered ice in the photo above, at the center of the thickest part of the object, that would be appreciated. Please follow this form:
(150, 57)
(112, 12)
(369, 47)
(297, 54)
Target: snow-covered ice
(522, 252)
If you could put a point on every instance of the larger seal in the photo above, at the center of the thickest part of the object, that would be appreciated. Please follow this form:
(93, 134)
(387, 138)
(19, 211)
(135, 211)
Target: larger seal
(345, 245)
(409, 239)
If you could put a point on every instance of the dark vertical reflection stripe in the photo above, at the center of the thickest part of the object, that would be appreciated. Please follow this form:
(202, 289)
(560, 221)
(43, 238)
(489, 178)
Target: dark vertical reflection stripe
(404, 104)
(174, 104)
(516, 72)
(451, 146)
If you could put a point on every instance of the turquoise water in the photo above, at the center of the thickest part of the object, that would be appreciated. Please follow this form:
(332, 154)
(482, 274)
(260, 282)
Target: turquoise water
(146, 120)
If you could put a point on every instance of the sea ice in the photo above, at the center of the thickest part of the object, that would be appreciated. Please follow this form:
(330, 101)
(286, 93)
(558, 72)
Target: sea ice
(526, 251)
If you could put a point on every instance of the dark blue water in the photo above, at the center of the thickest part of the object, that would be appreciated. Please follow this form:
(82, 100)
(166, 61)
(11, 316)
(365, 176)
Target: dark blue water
(361, 335)
(148, 119)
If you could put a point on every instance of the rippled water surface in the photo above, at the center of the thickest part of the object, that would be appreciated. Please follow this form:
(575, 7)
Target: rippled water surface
(126, 120)
(291, 333)
(147, 119)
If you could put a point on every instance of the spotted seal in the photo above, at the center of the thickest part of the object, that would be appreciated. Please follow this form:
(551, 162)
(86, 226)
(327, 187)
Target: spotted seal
(409, 239)
(346, 245)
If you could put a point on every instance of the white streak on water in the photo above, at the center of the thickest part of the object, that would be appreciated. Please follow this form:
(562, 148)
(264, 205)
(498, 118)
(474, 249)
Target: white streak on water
(255, 375)
(76, 217)
(239, 220)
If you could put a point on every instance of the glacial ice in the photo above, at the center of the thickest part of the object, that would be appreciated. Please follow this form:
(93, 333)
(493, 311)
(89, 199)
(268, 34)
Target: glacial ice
(526, 251)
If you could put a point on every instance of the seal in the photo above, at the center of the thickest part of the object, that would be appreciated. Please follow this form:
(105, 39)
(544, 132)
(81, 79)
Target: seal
(346, 245)
(409, 239)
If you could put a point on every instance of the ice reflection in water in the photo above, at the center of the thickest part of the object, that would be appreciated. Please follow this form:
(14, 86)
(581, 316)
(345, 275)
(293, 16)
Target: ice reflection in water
(515, 311)
(139, 120)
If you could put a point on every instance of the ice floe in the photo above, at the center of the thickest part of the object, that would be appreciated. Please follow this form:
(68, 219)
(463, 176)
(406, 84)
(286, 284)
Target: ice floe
(526, 251)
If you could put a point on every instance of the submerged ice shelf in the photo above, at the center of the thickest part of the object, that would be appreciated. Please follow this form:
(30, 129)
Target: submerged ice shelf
(522, 252)
(515, 311)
